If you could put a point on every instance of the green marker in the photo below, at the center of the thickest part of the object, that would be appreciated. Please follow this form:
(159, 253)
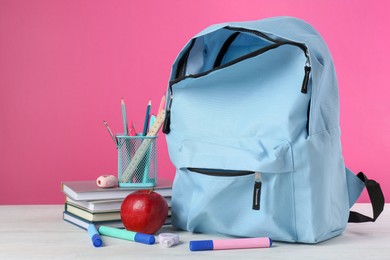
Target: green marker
(127, 235)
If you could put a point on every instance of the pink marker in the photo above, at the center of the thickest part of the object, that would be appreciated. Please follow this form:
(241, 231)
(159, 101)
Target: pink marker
(238, 243)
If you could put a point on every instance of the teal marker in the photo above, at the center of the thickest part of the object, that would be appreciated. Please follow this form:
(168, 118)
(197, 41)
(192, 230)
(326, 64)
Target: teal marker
(127, 235)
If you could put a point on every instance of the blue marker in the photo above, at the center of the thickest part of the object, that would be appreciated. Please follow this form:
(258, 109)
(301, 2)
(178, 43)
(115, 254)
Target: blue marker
(94, 235)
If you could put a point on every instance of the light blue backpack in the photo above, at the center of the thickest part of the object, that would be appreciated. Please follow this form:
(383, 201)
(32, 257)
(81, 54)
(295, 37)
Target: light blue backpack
(252, 127)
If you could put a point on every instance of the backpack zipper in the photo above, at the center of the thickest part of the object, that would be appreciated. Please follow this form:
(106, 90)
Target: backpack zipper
(167, 121)
(305, 82)
(227, 173)
(298, 44)
(230, 63)
(220, 173)
(277, 43)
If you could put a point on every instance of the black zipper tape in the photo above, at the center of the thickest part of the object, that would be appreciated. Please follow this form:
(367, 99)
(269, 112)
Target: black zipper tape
(220, 173)
(180, 73)
(230, 63)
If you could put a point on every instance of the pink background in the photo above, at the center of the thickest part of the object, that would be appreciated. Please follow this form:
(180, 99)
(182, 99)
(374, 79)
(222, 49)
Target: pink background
(64, 65)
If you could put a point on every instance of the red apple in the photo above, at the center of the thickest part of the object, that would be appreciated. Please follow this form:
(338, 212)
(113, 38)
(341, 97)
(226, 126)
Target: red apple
(144, 211)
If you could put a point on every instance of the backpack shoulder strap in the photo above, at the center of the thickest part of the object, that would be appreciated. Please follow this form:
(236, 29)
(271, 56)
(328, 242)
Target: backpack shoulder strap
(356, 184)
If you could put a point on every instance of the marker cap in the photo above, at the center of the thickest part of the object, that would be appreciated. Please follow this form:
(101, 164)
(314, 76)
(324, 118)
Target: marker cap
(201, 245)
(94, 235)
(145, 238)
(97, 242)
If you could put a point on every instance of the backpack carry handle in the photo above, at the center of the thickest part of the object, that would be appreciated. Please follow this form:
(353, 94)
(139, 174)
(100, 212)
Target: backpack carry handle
(376, 197)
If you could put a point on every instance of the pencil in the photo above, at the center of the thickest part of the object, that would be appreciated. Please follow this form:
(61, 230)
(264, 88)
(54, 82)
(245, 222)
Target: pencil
(146, 123)
(123, 105)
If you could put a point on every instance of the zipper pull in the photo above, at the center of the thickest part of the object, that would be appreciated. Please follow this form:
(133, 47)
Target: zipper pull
(307, 73)
(257, 191)
(306, 80)
(167, 121)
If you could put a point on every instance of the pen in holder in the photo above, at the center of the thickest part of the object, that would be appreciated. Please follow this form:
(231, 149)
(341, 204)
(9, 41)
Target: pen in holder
(137, 164)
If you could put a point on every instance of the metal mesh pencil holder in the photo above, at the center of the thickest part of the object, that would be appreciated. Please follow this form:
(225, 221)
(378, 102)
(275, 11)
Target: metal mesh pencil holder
(137, 164)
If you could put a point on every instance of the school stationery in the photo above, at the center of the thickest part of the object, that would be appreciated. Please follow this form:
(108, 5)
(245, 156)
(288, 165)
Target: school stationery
(82, 223)
(107, 181)
(146, 123)
(110, 132)
(128, 173)
(148, 160)
(168, 239)
(96, 205)
(94, 235)
(237, 243)
(127, 235)
(144, 171)
(124, 117)
(88, 190)
(252, 126)
(92, 216)
(132, 129)
(162, 104)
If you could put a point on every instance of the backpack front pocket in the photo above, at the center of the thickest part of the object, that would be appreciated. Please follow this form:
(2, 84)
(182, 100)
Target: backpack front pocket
(222, 200)
(227, 173)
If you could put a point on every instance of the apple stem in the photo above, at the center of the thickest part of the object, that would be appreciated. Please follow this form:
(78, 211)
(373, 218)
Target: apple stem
(151, 190)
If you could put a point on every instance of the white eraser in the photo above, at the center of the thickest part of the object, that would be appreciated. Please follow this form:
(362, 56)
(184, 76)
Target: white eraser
(168, 239)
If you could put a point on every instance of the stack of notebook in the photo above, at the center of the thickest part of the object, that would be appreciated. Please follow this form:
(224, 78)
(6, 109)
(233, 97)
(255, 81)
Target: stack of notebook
(86, 203)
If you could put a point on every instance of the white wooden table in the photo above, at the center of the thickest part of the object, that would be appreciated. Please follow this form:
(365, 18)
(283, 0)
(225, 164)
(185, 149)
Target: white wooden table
(38, 232)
